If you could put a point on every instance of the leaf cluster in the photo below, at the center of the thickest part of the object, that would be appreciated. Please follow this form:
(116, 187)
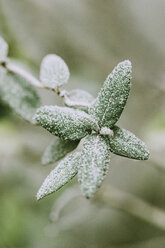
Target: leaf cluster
(83, 118)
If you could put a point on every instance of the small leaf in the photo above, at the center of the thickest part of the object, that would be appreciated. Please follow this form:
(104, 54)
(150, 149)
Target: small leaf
(125, 143)
(112, 98)
(18, 94)
(94, 164)
(54, 71)
(3, 49)
(57, 150)
(61, 175)
(78, 99)
(67, 123)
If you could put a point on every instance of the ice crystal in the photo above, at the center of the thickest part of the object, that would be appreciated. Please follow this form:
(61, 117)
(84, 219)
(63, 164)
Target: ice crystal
(3, 49)
(67, 123)
(78, 99)
(57, 150)
(18, 94)
(94, 164)
(125, 143)
(112, 98)
(54, 71)
(62, 174)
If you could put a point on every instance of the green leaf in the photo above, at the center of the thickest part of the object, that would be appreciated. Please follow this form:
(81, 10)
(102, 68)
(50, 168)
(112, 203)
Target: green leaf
(18, 94)
(54, 72)
(3, 49)
(78, 99)
(94, 164)
(61, 175)
(112, 98)
(57, 150)
(125, 143)
(67, 123)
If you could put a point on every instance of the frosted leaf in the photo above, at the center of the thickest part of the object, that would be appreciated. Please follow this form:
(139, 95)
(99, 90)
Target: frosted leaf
(67, 123)
(3, 49)
(18, 94)
(61, 175)
(54, 72)
(78, 99)
(125, 143)
(94, 164)
(57, 150)
(112, 98)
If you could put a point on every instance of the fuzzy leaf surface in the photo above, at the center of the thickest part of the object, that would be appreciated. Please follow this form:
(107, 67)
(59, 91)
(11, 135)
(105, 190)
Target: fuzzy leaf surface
(125, 143)
(57, 150)
(54, 72)
(61, 175)
(66, 123)
(112, 98)
(3, 49)
(78, 99)
(18, 94)
(94, 164)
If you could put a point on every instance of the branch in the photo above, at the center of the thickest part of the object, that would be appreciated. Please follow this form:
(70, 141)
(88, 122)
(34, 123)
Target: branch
(133, 205)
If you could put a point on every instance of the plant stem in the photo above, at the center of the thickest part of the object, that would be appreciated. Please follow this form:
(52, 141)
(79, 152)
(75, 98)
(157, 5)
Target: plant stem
(133, 205)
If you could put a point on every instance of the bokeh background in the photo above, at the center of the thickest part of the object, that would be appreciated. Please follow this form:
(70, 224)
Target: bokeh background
(92, 36)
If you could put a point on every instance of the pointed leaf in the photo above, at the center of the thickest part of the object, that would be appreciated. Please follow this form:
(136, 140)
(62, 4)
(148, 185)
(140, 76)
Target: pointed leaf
(57, 150)
(78, 99)
(94, 164)
(64, 122)
(54, 71)
(125, 143)
(113, 96)
(3, 49)
(18, 94)
(61, 175)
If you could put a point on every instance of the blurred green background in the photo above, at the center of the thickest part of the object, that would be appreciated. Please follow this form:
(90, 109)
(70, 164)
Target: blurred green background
(92, 36)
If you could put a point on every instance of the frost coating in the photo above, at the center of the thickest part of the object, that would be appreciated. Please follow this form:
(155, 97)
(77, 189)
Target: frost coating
(125, 143)
(57, 150)
(112, 98)
(54, 72)
(58, 177)
(3, 49)
(65, 122)
(94, 164)
(106, 131)
(18, 94)
(78, 99)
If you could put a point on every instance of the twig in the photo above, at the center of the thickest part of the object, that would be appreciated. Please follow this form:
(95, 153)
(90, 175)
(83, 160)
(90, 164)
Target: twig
(133, 205)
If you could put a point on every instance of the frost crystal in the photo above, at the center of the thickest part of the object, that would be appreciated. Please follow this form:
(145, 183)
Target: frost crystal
(65, 122)
(3, 49)
(78, 99)
(57, 150)
(94, 164)
(112, 98)
(18, 94)
(58, 177)
(125, 143)
(54, 71)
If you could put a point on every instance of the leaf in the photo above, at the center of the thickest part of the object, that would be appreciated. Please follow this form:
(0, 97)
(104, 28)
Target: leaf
(78, 99)
(112, 98)
(3, 49)
(54, 72)
(18, 94)
(67, 123)
(61, 175)
(57, 150)
(125, 143)
(94, 164)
